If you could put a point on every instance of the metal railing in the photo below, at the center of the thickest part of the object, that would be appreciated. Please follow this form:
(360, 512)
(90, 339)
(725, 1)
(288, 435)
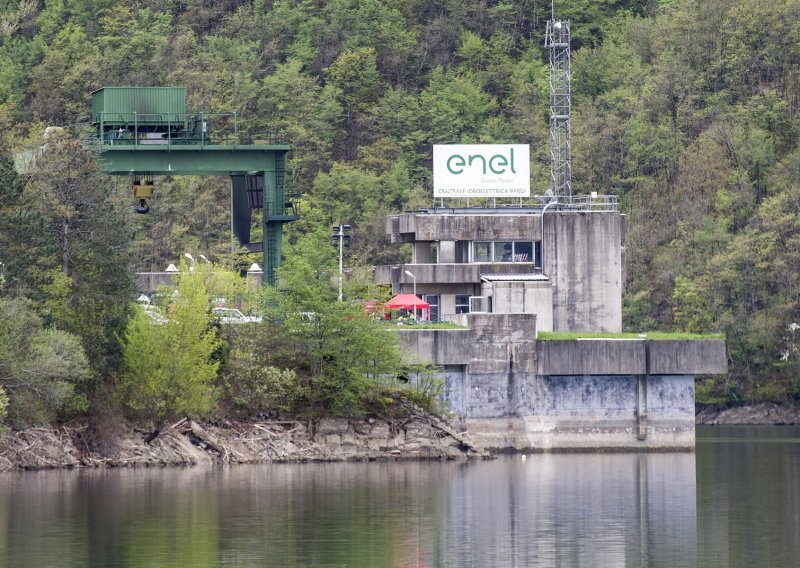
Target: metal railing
(534, 203)
(196, 129)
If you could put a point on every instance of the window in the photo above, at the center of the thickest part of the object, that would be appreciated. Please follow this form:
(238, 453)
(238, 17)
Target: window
(462, 251)
(503, 251)
(433, 300)
(482, 251)
(523, 251)
(507, 251)
(462, 303)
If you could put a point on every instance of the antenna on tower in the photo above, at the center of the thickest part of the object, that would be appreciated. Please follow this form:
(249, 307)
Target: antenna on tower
(557, 39)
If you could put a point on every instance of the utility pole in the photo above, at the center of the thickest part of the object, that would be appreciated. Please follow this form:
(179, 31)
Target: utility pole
(341, 238)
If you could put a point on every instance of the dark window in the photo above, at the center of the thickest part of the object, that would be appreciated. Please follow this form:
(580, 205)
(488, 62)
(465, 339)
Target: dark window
(523, 251)
(433, 300)
(462, 303)
(503, 251)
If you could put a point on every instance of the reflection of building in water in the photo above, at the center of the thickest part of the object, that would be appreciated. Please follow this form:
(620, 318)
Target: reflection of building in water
(577, 510)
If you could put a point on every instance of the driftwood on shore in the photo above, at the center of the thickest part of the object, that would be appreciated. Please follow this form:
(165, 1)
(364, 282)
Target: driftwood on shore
(186, 442)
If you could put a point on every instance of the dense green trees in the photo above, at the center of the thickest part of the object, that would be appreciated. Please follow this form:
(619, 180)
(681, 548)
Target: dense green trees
(169, 366)
(687, 110)
(314, 354)
(64, 244)
(39, 368)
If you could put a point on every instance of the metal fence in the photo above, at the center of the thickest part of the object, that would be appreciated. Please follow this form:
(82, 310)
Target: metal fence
(198, 129)
(591, 202)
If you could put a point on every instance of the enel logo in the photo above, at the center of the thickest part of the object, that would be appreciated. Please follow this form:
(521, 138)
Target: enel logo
(497, 164)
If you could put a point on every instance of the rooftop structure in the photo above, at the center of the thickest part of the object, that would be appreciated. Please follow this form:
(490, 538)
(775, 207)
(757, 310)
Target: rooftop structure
(144, 132)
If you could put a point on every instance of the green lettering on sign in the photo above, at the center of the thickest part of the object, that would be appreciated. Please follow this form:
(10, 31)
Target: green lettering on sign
(497, 163)
(461, 163)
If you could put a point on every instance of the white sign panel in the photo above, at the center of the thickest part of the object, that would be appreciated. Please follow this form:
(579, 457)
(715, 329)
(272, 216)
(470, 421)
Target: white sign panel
(481, 170)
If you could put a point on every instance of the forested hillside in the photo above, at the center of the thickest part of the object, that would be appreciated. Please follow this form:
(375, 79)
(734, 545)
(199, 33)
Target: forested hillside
(685, 109)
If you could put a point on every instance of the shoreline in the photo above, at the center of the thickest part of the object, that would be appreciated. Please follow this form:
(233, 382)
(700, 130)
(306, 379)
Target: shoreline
(758, 414)
(417, 437)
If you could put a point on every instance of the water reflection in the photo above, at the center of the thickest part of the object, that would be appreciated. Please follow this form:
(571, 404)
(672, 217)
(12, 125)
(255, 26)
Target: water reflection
(546, 510)
(749, 498)
(578, 510)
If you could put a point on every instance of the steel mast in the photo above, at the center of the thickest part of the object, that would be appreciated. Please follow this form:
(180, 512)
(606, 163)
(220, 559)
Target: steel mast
(557, 40)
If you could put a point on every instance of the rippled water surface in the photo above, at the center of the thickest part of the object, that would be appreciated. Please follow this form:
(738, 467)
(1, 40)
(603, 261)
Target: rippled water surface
(736, 502)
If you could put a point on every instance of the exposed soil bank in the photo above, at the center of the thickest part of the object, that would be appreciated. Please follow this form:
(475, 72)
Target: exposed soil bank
(761, 413)
(419, 436)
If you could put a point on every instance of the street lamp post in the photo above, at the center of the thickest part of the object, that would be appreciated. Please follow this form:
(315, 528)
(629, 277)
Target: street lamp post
(341, 238)
(414, 278)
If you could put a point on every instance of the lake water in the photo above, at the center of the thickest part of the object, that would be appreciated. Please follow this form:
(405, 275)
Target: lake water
(735, 502)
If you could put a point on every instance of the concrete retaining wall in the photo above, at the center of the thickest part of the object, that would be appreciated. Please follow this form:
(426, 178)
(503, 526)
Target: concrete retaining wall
(512, 392)
(630, 356)
(577, 413)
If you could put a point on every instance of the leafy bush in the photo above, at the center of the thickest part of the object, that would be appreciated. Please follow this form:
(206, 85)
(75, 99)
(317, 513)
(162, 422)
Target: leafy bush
(39, 368)
(169, 368)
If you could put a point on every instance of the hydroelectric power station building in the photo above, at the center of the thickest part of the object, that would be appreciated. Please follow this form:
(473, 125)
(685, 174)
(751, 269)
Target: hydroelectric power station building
(507, 273)
(555, 263)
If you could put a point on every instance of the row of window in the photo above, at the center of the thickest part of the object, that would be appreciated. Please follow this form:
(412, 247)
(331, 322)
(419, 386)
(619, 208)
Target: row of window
(507, 251)
(462, 304)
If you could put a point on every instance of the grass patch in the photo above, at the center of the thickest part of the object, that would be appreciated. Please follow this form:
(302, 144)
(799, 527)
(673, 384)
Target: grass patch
(655, 335)
(665, 335)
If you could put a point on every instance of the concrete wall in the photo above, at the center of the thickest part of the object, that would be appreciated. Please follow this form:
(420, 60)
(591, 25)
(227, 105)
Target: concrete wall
(583, 258)
(629, 357)
(525, 297)
(510, 391)
(148, 282)
(594, 411)
(589, 412)
(678, 357)
(410, 227)
(443, 347)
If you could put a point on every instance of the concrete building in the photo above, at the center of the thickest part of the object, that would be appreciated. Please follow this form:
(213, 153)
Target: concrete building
(566, 265)
(505, 274)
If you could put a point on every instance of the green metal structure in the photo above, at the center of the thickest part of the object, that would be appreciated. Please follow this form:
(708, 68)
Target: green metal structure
(146, 131)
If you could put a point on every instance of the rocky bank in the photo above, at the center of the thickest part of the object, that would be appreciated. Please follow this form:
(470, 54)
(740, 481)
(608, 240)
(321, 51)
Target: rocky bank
(419, 436)
(761, 413)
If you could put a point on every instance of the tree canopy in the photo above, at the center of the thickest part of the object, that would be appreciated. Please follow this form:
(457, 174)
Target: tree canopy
(686, 110)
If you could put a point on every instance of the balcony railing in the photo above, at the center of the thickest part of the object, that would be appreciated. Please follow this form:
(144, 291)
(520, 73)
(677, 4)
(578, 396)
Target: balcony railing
(165, 130)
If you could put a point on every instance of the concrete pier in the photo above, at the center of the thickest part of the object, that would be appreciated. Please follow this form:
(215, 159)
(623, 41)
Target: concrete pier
(511, 391)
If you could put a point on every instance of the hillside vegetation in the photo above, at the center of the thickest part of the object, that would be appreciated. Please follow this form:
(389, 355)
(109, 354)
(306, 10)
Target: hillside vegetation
(685, 109)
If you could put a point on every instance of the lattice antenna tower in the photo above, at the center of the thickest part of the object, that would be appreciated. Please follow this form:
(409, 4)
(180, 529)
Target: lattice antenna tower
(557, 40)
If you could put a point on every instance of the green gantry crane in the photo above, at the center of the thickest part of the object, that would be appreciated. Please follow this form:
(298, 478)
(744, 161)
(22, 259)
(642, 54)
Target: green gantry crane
(145, 131)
